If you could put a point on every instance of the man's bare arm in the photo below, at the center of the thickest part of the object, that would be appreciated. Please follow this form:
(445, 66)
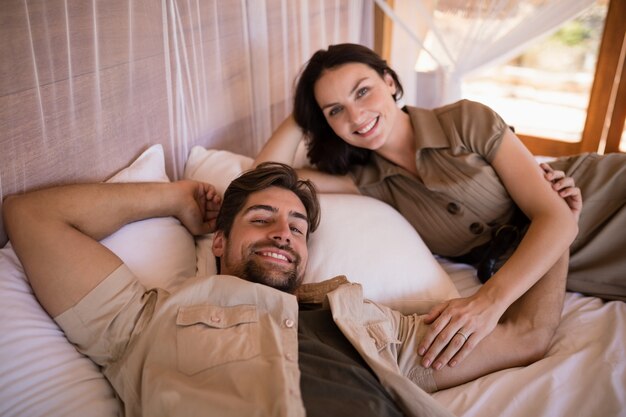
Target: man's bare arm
(55, 231)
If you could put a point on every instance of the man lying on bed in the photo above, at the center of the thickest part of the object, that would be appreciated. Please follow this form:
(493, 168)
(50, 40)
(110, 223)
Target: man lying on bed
(227, 346)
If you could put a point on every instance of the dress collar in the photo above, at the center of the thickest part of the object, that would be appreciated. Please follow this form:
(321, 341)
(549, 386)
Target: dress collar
(427, 133)
(427, 129)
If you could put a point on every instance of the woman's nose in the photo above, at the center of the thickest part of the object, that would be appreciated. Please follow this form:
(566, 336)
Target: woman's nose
(354, 113)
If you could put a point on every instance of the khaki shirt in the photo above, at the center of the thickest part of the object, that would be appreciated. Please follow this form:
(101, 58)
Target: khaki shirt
(226, 347)
(457, 197)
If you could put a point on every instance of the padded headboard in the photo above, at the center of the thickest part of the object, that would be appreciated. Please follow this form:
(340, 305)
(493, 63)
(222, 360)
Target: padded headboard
(85, 87)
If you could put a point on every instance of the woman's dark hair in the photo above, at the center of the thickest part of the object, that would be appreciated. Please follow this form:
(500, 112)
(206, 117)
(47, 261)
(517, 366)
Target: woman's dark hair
(267, 174)
(327, 151)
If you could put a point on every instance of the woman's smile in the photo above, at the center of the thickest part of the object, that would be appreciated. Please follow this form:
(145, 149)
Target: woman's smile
(368, 128)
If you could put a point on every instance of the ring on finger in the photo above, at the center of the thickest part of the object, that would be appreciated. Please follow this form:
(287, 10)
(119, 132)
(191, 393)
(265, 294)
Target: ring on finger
(461, 334)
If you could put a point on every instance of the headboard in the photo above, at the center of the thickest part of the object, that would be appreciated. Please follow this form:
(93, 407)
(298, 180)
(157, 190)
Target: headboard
(85, 87)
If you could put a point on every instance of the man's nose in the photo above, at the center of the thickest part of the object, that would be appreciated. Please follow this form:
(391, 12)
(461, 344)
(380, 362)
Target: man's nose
(281, 231)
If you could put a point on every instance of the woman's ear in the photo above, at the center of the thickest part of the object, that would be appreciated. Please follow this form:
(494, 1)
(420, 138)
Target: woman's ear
(388, 79)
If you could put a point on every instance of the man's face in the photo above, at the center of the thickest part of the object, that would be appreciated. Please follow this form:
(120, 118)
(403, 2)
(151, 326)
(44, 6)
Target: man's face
(267, 243)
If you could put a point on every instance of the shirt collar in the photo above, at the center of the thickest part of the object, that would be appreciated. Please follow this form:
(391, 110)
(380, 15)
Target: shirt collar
(427, 129)
(427, 133)
(315, 293)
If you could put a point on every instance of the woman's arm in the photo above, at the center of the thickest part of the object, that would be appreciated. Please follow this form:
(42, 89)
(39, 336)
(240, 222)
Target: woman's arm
(552, 225)
(282, 146)
(552, 229)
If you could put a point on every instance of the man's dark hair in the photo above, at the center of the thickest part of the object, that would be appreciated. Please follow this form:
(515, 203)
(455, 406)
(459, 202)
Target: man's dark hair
(327, 151)
(265, 175)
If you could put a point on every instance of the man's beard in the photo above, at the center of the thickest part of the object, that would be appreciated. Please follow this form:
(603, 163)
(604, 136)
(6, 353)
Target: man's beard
(278, 278)
(288, 281)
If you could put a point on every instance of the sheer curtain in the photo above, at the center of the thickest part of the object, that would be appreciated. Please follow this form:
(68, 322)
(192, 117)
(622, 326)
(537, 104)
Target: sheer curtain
(437, 43)
(232, 64)
(86, 86)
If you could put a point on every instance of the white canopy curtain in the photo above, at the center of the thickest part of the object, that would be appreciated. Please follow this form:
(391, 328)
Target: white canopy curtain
(182, 72)
(240, 60)
(81, 77)
(435, 43)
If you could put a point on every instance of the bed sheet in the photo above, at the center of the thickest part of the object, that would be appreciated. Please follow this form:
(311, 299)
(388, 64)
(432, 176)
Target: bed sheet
(583, 374)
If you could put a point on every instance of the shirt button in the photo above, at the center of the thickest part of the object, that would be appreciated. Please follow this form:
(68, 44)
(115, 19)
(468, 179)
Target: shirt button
(453, 208)
(215, 319)
(476, 228)
(289, 323)
(290, 357)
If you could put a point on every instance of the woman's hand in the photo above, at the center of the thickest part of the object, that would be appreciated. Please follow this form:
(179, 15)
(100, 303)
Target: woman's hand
(199, 205)
(566, 188)
(457, 326)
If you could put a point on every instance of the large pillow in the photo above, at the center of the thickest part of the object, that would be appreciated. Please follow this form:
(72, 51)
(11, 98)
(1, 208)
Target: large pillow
(216, 167)
(360, 237)
(41, 374)
(160, 251)
(372, 244)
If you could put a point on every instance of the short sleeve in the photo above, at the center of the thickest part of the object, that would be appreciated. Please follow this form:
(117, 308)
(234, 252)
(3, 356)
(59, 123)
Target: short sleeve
(476, 126)
(102, 323)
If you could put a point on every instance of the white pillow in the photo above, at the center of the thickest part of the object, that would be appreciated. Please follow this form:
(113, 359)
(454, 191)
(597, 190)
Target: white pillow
(215, 166)
(360, 237)
(41, 373)
(160, 251)
(374, 245)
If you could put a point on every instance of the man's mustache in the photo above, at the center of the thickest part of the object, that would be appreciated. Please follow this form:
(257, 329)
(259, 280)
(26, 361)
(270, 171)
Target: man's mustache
(295, 257)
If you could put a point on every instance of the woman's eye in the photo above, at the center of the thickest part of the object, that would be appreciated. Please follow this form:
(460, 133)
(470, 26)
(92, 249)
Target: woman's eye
(362, 91)
(259, 221)
(333, 111)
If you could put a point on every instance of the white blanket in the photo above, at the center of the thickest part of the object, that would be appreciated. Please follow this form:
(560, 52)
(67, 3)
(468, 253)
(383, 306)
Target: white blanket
(41, 374)
(583, 374)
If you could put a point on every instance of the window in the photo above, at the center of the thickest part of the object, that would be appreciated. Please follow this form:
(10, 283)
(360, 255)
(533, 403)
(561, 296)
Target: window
(564, 94)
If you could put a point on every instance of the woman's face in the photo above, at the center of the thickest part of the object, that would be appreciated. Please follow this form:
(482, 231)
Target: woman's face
(358, 104)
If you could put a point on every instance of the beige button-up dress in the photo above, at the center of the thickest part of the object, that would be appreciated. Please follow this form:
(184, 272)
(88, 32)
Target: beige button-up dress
(457, 198)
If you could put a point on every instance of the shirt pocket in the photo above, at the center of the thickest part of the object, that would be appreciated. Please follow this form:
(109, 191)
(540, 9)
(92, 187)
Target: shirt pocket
(209, 336)
(382, 336)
